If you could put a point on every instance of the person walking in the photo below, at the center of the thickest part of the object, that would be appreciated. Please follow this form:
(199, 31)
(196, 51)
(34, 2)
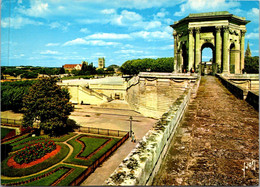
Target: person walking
(133, 137)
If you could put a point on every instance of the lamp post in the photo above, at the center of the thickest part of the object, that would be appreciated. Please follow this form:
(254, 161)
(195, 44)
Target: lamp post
(131, 125)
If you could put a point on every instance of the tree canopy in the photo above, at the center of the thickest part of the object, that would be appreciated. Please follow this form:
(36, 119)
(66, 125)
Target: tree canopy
(133, 67)
(12, 94)
(48, 103)
(252, 64)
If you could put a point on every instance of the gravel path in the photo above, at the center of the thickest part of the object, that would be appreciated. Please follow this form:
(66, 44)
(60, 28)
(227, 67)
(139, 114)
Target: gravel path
(218, 134)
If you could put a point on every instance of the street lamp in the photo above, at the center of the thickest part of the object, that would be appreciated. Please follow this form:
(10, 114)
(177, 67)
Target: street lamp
(131, 125)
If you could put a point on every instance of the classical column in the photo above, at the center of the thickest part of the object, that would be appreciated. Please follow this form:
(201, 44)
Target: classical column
(175, 50)
(218, 46)
(225, 49)
(242, 45)
(180, 64)
(191, 49)
(197, 47)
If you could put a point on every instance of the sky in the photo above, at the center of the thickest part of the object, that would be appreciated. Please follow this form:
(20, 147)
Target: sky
(51, 33)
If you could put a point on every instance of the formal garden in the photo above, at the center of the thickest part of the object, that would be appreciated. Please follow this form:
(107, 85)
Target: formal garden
(54, 161)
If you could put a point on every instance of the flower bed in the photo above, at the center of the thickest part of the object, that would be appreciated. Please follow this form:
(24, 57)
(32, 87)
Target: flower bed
(32, 153)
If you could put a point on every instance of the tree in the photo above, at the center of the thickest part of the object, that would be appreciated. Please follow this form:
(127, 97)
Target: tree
(252, 64)
(84, 66)
(48, 103)
(62, 70)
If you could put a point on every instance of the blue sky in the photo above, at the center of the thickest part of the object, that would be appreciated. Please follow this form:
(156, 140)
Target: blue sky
(52, 33)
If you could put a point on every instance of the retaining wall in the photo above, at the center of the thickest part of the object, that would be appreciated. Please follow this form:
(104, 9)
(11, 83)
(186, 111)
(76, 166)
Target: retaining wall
(253, 99)
(142, 164)
(234, 89)
(250, 96)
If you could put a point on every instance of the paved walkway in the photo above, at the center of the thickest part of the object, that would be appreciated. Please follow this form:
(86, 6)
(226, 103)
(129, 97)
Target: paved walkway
(218, 134)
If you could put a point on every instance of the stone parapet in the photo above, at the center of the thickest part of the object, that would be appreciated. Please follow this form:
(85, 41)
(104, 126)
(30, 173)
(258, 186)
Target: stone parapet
(142, 164)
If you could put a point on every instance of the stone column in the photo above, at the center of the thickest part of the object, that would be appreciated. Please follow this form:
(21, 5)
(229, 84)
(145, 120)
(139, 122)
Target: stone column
(191, 49)
(225, 49)
(197, 47)
(218, 46)
(175, 51)
(242, 45)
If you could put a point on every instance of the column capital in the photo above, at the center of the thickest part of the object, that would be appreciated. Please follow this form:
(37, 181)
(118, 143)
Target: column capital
(190, 30)
(218, 28)
(225, 28)
(243, 32)
(197, 29)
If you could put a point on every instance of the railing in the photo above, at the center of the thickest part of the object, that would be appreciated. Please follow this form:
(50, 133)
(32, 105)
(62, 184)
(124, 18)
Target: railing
(11, 122)
(108, 132)
(15, 122)
(92, 168)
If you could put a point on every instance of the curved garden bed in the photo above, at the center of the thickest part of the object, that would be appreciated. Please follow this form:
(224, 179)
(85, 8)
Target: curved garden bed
(18, 172)
(88, 148)
(12, 163)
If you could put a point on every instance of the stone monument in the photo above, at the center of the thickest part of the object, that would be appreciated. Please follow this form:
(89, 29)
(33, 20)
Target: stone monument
(221, 31)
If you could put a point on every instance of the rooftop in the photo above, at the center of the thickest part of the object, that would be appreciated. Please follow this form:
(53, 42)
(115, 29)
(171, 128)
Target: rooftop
(207, 16)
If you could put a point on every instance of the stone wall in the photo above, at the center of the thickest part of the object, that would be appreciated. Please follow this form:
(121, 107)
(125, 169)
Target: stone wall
(153, 97)
(236, 85)
(114, 91)
(142, 164)
(253, 99)
(80, 94)
(234, 89)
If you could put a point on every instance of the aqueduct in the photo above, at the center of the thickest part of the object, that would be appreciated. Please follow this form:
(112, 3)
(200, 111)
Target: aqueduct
(223, 32)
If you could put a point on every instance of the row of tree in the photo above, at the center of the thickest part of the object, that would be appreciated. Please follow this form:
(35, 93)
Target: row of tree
(12, 94)
(133, 67)
(29, 72)
(42, 100)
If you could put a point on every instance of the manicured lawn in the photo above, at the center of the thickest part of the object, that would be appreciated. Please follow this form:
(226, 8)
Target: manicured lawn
(5, 131)
(91, 144)
(47, 181)
(34, 140)
(17, 139)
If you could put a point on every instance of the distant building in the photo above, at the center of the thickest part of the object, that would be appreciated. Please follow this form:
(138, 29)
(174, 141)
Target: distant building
(101, 63)
(71, 67)
(248, 51)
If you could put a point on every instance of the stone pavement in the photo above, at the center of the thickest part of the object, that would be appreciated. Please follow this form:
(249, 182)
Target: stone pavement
(218, 134)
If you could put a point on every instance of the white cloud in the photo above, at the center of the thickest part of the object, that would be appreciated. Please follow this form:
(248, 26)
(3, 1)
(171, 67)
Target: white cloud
(18, 22)
(108, 36)
(49, 52)
(57, 25)
(84, 30)
(108, 11)
(253, 15)
(153, 24)
(205, 6)
(82, 41)
(52, 44)
(37, 9)
(156, 35)
(126, 17)
(252, 35)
